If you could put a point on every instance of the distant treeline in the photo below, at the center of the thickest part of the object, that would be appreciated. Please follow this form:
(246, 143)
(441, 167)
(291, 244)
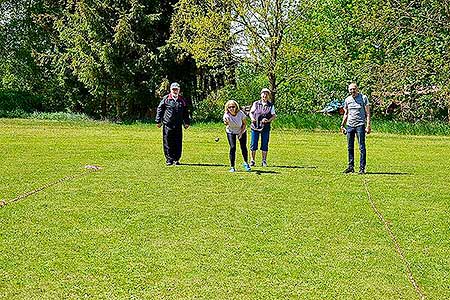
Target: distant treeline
(115, 59)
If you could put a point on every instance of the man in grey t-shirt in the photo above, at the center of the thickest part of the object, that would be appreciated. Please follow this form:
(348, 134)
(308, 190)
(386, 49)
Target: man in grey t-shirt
(357, 119)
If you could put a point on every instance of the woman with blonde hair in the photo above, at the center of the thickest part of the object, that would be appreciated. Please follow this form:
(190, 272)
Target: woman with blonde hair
(236, 128)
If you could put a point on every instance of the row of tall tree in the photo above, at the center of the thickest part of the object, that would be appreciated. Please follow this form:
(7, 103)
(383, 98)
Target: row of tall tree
(396, 50)
(108, 59)
(114, 58)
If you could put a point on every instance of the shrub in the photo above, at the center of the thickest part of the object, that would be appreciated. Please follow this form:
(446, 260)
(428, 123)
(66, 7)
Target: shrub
(19, 101)
(210, 109)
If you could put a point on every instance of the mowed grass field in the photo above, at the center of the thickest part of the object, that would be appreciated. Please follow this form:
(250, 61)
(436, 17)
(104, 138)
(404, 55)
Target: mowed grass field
(298, 229)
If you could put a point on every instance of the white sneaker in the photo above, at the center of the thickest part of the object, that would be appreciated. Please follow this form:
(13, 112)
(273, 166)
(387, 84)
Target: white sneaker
(232, 170)
(264, 163)
(252, 163)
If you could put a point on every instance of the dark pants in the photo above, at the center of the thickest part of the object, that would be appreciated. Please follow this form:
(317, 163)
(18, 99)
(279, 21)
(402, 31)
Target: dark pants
(172, 142)
(361, 135)
(243, 143)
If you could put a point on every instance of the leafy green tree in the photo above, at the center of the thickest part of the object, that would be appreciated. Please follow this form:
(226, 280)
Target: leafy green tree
(395, 50)
(413, 39)
(105, 58)
(25, 29)
(220, 33)
(111, 47)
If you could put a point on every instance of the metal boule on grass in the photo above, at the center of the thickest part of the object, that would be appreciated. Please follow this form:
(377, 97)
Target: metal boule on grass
(92, 167)
(216, 139)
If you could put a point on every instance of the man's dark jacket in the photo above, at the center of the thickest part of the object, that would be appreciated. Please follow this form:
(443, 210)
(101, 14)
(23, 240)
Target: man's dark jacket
(173, 113)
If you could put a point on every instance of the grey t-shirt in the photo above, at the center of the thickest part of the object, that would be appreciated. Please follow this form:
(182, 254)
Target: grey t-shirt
(356, 110)
(235, 122)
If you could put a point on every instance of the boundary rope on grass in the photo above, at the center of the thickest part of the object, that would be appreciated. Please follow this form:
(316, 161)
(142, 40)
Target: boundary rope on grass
(396, 243)
(88, 169)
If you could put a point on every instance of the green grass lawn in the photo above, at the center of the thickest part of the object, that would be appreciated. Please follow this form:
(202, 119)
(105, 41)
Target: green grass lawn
(298, 229)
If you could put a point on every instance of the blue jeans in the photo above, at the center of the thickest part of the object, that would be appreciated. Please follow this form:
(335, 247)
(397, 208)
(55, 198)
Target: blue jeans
(264, 139)
(360, 133)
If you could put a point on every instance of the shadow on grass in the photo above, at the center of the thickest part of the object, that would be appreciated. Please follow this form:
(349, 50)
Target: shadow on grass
(387, 173)
(259, 172)
(203, 165)
(294, 167)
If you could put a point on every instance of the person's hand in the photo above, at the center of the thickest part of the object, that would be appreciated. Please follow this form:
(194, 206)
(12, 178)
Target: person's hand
(158, 125)
(265, 121)
(226, 121)
(253, 120)
(342, 129)
(186, 126)
(368, 129)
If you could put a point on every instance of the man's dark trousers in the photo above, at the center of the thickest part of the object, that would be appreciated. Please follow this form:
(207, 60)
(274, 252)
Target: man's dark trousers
(172, 142)
(360, 133)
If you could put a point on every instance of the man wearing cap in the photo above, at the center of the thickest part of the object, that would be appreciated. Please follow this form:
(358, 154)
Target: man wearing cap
(262, 113)
(172, 113)
(357, 118)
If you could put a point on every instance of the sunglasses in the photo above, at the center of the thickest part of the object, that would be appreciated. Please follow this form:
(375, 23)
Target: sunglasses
(231, 106)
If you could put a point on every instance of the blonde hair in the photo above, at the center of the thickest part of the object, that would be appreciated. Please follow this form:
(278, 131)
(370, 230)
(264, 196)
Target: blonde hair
(232, 102)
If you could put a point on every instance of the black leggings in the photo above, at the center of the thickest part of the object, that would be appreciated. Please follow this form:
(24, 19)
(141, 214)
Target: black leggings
(242, 141)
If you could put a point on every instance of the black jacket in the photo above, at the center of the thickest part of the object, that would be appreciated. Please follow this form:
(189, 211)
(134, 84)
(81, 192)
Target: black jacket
(172, 112)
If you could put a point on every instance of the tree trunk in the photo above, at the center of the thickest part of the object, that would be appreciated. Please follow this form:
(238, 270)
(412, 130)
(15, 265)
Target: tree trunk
(272, 85)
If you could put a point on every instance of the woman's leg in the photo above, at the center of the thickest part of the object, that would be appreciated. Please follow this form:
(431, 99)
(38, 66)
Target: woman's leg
(265, 144)
(232, 142)
(254, 143)
(264, 156)
(243, 143)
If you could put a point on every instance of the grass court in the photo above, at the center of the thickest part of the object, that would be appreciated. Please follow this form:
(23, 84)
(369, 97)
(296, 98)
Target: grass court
(298, 229)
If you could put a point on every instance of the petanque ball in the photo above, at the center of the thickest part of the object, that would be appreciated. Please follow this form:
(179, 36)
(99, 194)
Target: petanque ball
(216, 139)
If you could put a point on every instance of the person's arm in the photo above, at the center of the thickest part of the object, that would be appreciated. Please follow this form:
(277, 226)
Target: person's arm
(243, 127)
(252, 110)
(344, 119)
(160, 112)
(226, 120)
(244, 124)
(274, 115)
(368, 127)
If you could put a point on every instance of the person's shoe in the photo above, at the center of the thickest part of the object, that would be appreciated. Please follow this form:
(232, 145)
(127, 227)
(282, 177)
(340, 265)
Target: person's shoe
(349, 170)
(176, 163)
(362, 171)
(169, 163)
(252, 163)
(264, 163)
(232, 170)
(247, 167)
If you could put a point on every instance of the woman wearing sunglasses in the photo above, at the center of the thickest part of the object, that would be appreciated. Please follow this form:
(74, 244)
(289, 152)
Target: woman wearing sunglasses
(236, 129)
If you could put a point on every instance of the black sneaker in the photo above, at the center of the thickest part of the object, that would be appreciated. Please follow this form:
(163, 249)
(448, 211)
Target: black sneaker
(362, 171)
(176, 163)
(349, 170)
